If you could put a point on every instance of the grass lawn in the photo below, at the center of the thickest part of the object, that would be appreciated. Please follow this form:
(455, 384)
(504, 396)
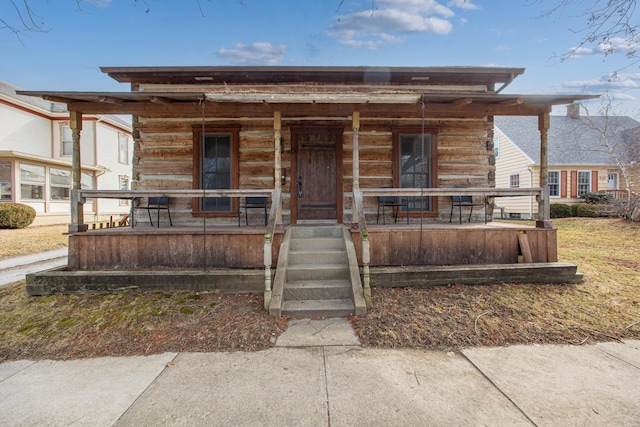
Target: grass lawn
(29, 240)
(606, 306)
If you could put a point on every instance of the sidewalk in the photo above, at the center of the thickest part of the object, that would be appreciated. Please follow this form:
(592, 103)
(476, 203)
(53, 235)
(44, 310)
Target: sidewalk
(318, 375)
(15, 269)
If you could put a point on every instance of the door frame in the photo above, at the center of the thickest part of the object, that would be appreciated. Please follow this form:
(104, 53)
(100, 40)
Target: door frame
(297, 130)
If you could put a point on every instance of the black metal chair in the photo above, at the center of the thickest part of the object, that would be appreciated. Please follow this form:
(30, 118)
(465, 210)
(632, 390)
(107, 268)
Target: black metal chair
(253, 203)
(157, 204)
(467, 202)
(395, 203)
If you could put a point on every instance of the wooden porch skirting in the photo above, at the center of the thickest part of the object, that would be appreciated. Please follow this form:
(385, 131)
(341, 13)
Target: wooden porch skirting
(148, 248)
(230, 259)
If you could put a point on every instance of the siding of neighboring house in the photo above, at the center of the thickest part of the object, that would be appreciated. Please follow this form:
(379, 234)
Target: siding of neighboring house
(35, 171)
(576, 168)
(513, 161)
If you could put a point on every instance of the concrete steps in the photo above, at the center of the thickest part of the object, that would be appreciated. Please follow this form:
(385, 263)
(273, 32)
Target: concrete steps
(314, 277)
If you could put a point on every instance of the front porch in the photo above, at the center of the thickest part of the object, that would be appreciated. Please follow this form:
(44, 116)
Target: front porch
(232, 259)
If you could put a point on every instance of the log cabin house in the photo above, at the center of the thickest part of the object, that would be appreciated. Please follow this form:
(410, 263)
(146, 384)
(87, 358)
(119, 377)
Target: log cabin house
(361, 169)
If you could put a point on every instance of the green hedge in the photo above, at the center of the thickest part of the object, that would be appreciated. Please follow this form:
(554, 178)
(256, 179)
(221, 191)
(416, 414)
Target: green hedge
(560, 210)
(589, 211)
(16, 215)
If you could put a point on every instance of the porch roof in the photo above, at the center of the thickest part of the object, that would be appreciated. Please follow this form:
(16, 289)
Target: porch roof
(487, 76)
(460, 103)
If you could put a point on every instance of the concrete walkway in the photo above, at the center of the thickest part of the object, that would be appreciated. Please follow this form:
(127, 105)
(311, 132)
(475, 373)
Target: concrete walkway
(318, 375)
(15, 269)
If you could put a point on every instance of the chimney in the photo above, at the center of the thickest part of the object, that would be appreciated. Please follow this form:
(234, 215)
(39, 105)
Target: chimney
(573, 111)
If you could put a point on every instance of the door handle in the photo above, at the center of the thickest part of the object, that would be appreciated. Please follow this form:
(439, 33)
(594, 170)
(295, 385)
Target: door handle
(299, 186)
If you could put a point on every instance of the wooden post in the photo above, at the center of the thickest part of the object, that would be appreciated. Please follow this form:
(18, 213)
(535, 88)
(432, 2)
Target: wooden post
(544, 220)
(77, 203)
(356, 166)
(277, 136)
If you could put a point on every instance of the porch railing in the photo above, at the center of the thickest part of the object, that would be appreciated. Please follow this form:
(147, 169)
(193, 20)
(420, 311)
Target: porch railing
(274, 212)
(488, 194)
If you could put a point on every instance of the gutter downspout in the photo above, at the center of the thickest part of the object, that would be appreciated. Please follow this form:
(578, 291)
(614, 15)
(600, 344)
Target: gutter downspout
(530, 197)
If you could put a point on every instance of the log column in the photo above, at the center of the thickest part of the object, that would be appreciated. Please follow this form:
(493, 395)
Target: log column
(356, 165)
(77, 202)
(544, 213)
(277, 136)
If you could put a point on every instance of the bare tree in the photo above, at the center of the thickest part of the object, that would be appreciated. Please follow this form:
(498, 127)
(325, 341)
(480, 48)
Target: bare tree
(615, 138)
(611, 24)
(21, 19)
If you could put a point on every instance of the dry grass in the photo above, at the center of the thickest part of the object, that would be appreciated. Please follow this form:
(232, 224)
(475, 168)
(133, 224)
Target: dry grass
(29, 240)
(605, 307)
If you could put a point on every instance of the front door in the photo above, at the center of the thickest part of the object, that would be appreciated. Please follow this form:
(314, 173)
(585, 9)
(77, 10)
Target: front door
(315, 189)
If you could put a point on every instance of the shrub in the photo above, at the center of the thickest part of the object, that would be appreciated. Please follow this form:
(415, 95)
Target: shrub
(559, 210)
(16, 215)
(596, 198)
(574, 210)
(585, 210)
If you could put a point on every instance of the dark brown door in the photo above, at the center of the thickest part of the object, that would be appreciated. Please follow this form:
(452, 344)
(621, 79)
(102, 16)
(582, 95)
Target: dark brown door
(316, 183)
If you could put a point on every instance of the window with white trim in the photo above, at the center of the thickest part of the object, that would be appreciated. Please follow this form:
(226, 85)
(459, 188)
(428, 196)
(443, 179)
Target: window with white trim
(553, 180)
(67, 140)
(496, 146)
(514, 180)
(5, 181)
(123, 149)
(59, 184)
(124, 186)
(584, 182)
(32, 179)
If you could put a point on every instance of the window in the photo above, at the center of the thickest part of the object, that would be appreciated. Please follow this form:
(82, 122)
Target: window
(86, 183)
(514, 181)
(67, 141)
(5, 181)
(553, 179)
(216, 167)
(59, 184)
(584, 182)
(123, 148)
(414, 165)
(496, 146)
(124, 186)
(31, 182)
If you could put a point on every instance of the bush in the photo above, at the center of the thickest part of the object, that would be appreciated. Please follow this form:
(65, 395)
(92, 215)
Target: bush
(589, 211)
(596, 198)
(15, 215)
(559, 210)
(574, 210)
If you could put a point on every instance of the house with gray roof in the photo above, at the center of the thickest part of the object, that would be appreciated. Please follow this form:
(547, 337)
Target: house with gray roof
(36, 156)
(578, 157)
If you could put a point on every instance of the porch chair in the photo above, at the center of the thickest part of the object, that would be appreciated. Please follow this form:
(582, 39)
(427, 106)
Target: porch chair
(157, 204)
(467, 202)
(253, 203)
(395, 203)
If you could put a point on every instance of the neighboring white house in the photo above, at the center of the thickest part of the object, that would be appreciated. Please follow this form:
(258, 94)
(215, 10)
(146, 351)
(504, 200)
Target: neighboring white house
(578, 163)
(35, 158)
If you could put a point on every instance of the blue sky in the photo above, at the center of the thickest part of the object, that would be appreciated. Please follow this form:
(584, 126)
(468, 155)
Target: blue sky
(84, 36)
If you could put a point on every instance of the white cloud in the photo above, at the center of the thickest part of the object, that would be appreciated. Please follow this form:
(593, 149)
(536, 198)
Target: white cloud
(463, 4)
(501, 48)
(390, 19)
(258, 53)
(616, 45)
